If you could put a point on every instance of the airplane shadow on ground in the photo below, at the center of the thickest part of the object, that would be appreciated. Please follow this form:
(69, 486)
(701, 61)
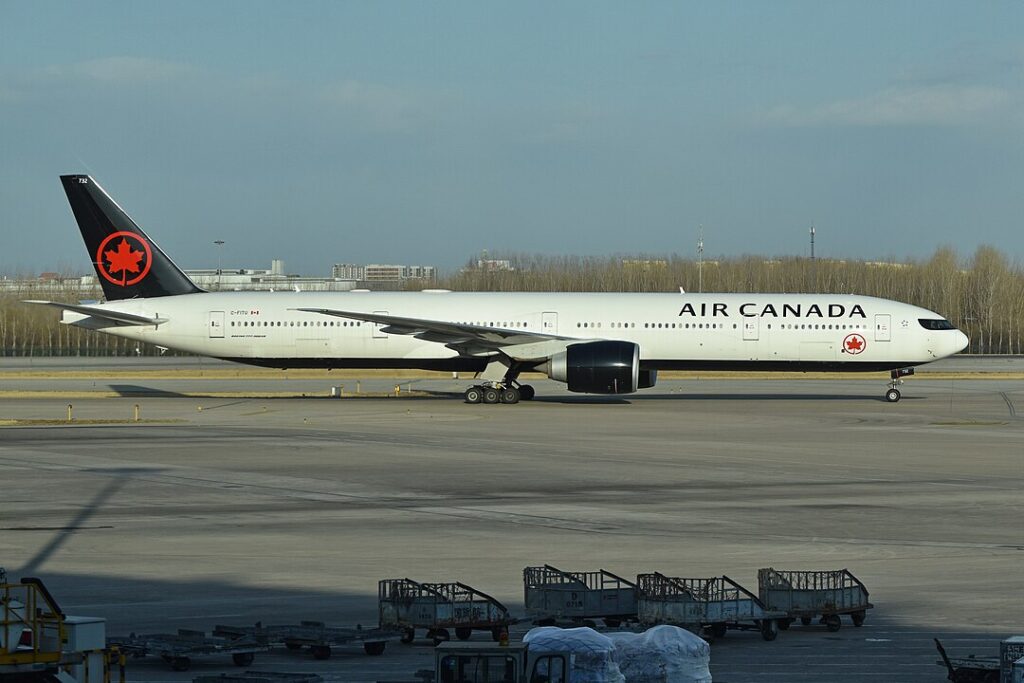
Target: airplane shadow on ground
(139, 391)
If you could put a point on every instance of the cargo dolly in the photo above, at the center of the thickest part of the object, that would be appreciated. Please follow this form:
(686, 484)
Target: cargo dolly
(437, 607)
(706, 606)
(969, 669)
(179, 649)
(315, 635)
(553, 596)
(805, 595)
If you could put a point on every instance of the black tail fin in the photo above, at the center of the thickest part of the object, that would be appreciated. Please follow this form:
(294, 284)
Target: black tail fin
(128, 263)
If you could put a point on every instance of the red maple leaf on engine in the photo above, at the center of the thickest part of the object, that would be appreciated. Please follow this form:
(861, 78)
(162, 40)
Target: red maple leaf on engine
(124, 259)
(854, 343)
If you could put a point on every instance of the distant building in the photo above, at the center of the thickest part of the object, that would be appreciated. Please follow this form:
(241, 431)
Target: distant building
(375, 272)
(491, 265)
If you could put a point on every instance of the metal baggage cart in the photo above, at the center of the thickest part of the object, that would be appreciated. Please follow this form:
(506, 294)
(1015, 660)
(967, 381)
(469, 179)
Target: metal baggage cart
(969, 669)
(805, 595)
(437, 607)
(552, 595)
(179, 649)
(315, 635)
(706, 606)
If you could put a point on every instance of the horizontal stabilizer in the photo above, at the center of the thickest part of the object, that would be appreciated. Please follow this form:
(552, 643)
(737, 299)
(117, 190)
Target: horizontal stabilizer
(104, 313)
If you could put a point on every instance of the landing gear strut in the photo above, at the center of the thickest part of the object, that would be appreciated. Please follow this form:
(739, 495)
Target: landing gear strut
(896, 380)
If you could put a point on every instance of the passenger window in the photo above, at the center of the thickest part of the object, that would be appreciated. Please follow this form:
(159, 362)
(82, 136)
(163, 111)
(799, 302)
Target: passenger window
(550, 669)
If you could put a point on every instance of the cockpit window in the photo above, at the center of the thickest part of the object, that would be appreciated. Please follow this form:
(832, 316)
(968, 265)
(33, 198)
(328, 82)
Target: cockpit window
(933, 324)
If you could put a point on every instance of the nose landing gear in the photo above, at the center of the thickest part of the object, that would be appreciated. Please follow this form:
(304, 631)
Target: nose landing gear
(896, 380)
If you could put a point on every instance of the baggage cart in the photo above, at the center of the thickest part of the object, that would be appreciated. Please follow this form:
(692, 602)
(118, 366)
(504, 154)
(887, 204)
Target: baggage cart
(552, 595)
(969, 669)
(437, 607)
(179, 649)
(805, 595)
(709, 607)
(315, 635)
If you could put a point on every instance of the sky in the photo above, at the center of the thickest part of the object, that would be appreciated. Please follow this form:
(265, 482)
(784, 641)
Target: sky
(425, 132)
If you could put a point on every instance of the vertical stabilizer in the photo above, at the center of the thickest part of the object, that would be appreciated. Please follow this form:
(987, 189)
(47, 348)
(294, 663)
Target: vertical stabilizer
(128, 263)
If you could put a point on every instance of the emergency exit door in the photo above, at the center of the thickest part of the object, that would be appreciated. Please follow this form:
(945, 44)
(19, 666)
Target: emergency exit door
(751, 329)
(882, 330)
(549, 322)
(216, 324)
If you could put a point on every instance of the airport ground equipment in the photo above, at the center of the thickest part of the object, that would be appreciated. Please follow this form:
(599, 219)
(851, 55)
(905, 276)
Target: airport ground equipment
(315, 635)
(32, 628)
(709, 606)
(38, 641)
(513, 663)
(179, 649)
(970, 669)
(805, 595)
(261, 677)
(437, 607)
(552, 596)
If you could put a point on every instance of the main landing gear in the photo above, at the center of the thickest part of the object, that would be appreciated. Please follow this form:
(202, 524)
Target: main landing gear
(896, 380)
(499, 392)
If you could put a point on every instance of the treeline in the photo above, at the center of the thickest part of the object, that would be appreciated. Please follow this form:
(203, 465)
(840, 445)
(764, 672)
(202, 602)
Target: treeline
(982, 295)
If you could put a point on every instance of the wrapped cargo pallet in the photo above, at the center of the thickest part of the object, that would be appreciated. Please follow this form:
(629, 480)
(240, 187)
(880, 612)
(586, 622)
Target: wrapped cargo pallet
(593, 658)
(663, 654)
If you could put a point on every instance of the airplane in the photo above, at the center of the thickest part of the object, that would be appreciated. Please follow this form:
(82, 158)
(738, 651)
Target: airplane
(598, 343)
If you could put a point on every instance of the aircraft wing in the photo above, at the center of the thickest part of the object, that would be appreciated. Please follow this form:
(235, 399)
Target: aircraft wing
(470, 340)
(103, 313)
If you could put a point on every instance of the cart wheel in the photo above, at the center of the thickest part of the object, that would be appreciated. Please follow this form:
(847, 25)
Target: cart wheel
(408, 635)
(806, 621)
(858, 618)
(321, 651)
(440, 635)
(832, 622)
(243, 658)
(180, 663)
(292, 645)
(718, 630)
(463, 632)
(497, 632)
(784, 624)
(613, 623)
(376, 648)
(769, 629)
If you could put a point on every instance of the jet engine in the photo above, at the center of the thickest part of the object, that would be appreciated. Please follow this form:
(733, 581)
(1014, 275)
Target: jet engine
(600, 367)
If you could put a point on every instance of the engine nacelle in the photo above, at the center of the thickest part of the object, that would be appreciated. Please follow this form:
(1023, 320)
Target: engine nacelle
(599, 367)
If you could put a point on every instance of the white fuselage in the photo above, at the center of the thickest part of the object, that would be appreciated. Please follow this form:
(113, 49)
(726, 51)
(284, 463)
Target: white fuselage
(673, 331)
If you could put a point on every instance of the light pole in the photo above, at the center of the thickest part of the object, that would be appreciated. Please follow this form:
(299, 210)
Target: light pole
(218, 244)
(700, 260)
(814, 265)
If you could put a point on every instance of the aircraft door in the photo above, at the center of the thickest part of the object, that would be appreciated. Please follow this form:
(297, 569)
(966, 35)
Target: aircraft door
(549, 322)
(751, 329)
(882, 328)
(377, 334)
(216, 324)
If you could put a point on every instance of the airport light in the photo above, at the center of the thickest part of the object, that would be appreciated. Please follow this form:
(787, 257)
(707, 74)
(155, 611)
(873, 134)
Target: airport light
(218, 244)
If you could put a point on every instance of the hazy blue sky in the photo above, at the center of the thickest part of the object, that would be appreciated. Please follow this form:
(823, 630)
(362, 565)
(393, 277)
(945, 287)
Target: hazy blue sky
(422, 132)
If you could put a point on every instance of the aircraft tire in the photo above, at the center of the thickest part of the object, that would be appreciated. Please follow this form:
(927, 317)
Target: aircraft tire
(491, 396)
(474, 395)
(526, 392)
(510, 395)
(892, 395)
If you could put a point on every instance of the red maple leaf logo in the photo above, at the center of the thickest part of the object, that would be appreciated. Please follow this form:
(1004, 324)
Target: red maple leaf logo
(125, 259)
(115, 264)
(854, 344)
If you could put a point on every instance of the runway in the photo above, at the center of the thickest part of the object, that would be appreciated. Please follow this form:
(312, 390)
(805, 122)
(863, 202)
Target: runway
(232, 510)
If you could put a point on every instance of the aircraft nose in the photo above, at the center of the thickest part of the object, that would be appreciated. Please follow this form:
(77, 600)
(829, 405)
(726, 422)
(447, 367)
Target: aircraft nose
(961, 341)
